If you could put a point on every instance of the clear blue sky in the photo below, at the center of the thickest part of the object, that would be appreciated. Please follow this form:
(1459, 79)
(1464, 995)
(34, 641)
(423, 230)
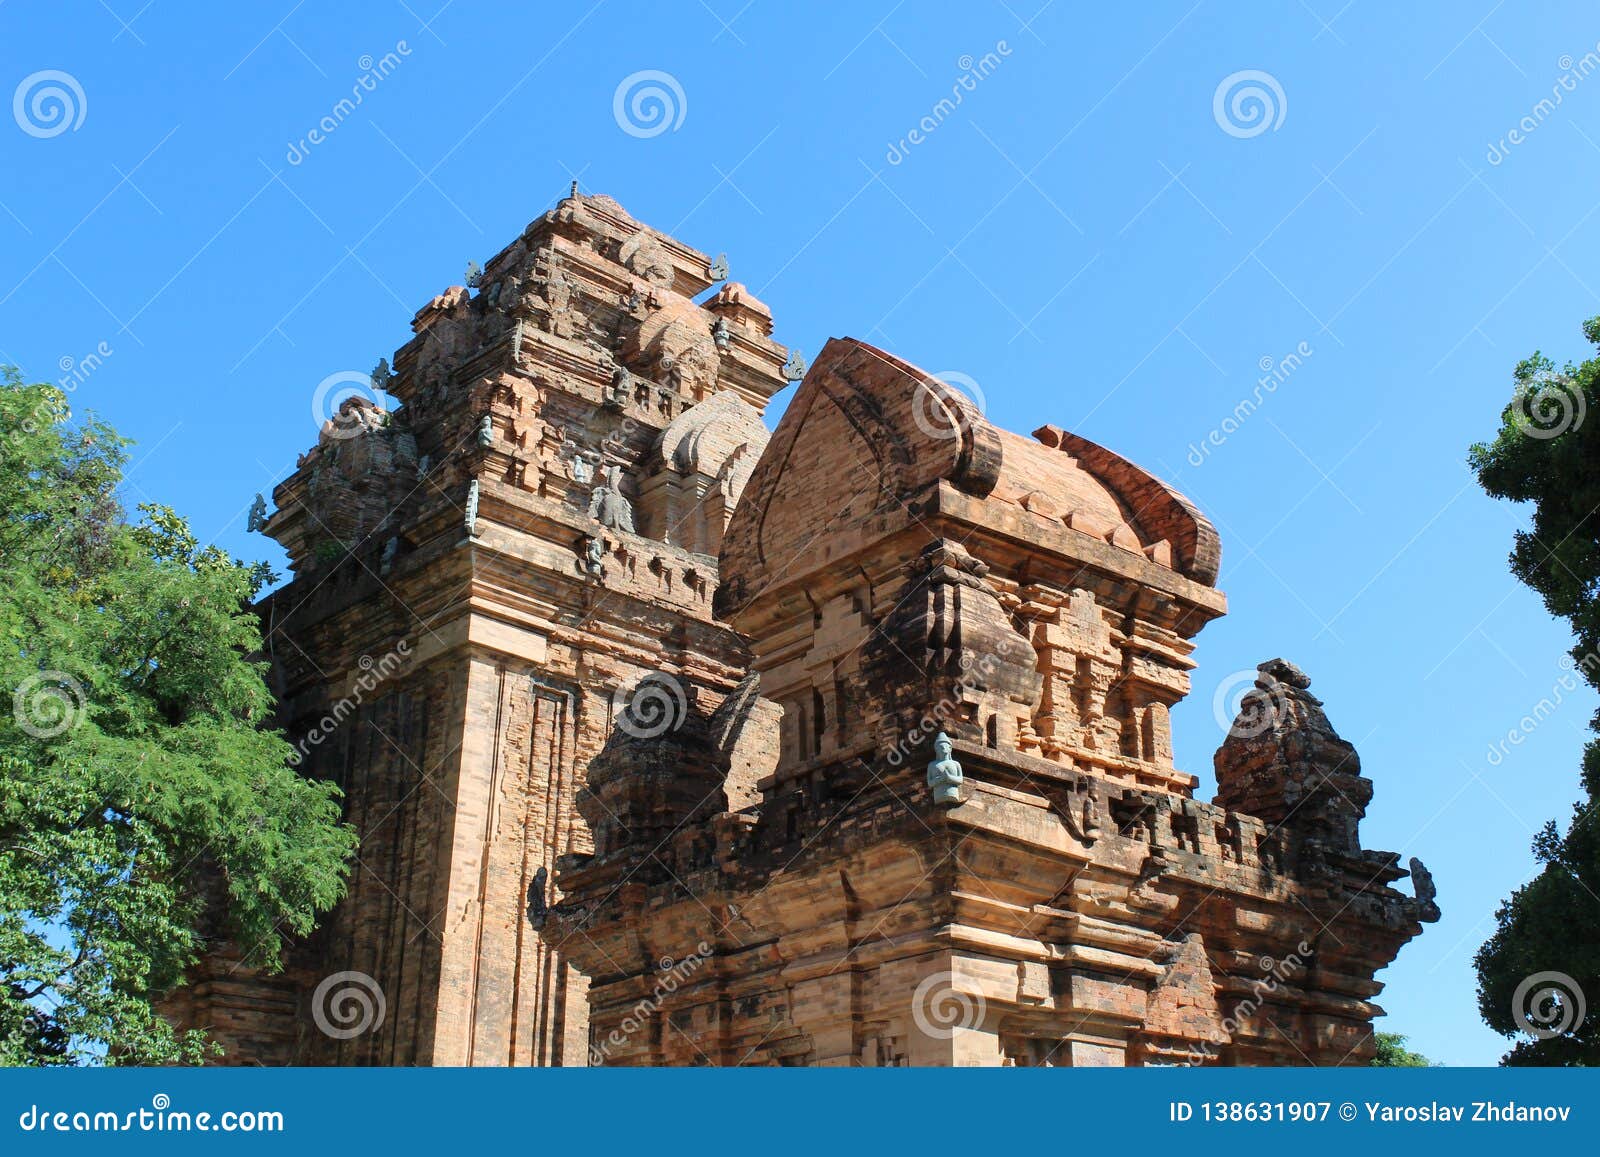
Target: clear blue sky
(1080, 237)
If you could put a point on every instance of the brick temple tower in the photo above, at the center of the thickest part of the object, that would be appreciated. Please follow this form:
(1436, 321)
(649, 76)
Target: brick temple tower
(901, 569)
(478, 578)
(670, 743)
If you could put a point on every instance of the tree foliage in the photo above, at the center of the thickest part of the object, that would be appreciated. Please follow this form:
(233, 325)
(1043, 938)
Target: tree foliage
(1393, 1054)
(1547, 454)
(140, 787)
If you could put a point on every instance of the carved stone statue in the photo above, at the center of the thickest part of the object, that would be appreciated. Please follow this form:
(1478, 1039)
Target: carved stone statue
(795, 368)
(486, 430)
(720, 334)
(719, 268)
(944, 773)
(258, 515)
(607, 506)
(471, 518)
(594, 557)
(580, 468)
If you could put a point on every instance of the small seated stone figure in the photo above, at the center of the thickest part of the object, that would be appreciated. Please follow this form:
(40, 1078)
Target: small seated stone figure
(720, 334)
(944, 773)
(594, 558)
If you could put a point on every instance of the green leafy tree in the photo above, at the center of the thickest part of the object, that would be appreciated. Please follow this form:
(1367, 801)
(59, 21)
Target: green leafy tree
(1542, 965)
(140, 791)
(1393, 1054)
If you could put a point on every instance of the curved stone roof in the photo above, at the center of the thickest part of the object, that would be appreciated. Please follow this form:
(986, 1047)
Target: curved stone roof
(706, 437)
(866, 432)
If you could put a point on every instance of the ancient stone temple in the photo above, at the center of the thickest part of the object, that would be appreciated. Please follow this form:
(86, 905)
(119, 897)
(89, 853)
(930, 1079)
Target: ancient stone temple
(673, 744)
(973, 847)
